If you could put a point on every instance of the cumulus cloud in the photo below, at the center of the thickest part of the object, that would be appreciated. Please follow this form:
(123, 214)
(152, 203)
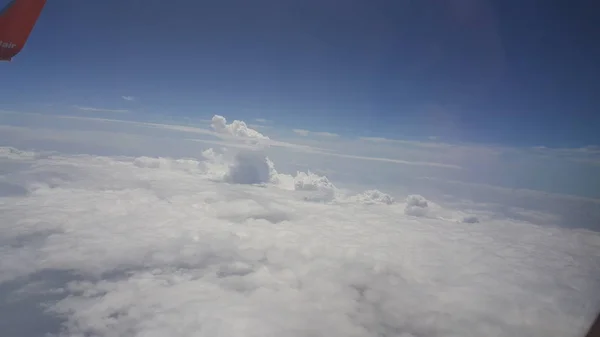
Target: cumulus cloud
(319, 187)
(416, 205)
(370, 197)
(253, 167)
(236, 128)
(250, 167)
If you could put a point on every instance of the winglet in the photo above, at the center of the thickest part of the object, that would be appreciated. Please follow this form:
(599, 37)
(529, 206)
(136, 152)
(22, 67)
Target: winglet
(17, 20)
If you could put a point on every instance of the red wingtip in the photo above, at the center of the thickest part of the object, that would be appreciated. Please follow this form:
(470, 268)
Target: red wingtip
(17, 20)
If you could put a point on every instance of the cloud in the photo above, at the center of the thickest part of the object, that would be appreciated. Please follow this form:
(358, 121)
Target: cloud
(253, 167)
(301, 132)
(306, 133)
(372, 197)
(128, 98)
(424, 144)
(234, 138)
(398, 161)
(8, 152)
(249, 167)
(224, 244)
(167, 163)
(92, 109)
(326, 134)
(377, 139)
(259, 126)
(470, 219)
(319, 187)
(587, 154)
(416, 205)
(236, 128)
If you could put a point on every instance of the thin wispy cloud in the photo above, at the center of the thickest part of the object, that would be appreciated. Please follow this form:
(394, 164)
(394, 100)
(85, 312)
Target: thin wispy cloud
(260, 126)
(306, 133)
(128, 98)
(263, 120)
(377, 139)
(301, 132)
(93, 109)
(326, 134)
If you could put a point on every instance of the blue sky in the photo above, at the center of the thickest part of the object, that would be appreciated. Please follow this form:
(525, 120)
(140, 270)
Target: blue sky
(505, 72)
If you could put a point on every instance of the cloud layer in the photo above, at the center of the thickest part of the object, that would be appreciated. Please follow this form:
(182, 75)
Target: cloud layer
(222, 244)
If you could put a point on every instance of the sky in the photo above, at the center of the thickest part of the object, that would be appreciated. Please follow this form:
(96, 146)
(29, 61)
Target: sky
(493, 72)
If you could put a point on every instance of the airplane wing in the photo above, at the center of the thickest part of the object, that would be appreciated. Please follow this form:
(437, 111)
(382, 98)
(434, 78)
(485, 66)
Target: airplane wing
(16, 23)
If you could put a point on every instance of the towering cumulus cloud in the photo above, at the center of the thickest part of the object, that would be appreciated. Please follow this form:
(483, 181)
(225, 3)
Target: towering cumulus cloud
(225, 245)
(416, 205)
(236, 128)
(249, 167)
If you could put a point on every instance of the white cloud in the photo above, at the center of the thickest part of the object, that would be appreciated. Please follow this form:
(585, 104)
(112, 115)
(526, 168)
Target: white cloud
(377, 139)
(259, 126)
(416, 205)
(92, 109)
(249, 167)
(423, 144)
(301, 132)
(319, 187)
(227, 134)
(158, 246)
(236, 128)
(326, 134)
(371, 197)
(306, 133)
(15, 154)
(128, 98)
